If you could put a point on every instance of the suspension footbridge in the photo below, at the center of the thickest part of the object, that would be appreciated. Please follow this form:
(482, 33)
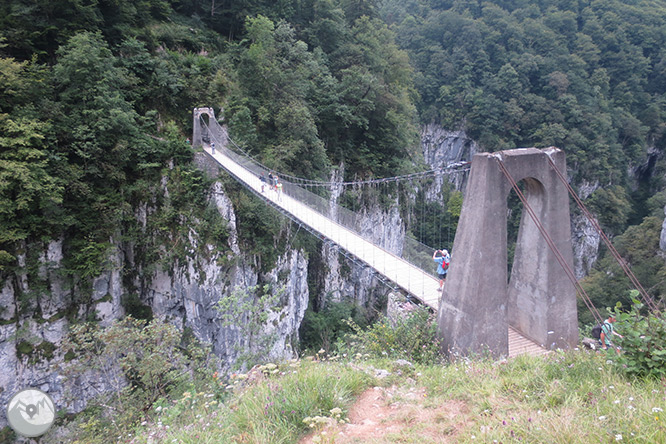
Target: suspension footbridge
(408, 267)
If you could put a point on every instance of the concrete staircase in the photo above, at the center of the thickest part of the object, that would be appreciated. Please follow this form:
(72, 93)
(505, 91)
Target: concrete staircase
(519, 344)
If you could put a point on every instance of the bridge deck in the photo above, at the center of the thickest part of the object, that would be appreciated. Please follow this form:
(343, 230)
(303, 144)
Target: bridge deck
(412, 279)
(422, 285)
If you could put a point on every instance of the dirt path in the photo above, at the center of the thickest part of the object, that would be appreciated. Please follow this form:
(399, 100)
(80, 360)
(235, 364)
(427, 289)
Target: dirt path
(383, 415)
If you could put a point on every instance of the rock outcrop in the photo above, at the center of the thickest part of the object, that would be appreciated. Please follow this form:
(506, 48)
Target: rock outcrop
(37, 311)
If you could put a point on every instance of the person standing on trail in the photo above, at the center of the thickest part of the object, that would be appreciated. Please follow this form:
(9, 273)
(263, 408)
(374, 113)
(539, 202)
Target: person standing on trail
(263, 182)
(212, 147)
(607, 331)
(442, 259)
(279, 191)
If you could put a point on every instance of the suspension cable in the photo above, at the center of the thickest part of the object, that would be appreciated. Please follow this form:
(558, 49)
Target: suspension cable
(646, 297)
(456, 167)
(568, 271)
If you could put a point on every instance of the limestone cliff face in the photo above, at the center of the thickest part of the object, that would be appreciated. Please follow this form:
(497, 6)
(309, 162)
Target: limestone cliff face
(36, 312)
(343, 277)
(442, 148)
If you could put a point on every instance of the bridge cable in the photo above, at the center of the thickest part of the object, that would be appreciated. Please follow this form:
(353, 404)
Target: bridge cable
(646, 297)
(568, 271)
(411, 250)
(456, 167)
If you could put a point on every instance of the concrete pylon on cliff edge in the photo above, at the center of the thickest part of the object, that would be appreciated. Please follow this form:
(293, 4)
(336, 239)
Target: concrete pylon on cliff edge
(198, 132)
(539, 300)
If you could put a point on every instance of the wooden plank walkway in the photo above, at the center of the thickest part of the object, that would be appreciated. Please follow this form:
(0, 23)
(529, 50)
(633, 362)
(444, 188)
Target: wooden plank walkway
(410, 278)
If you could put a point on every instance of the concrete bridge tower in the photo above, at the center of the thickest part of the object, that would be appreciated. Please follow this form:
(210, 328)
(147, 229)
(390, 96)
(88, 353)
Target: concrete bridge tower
(199, 133)
(479, 302)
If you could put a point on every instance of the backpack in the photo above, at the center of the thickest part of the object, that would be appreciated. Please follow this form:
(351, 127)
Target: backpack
(596, 330)
(445, 264)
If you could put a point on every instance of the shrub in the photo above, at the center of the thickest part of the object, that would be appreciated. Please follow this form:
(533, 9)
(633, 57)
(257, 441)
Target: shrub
(643, 343)
(321, 329)
(250, 312)
(141, 364)
(413, 337)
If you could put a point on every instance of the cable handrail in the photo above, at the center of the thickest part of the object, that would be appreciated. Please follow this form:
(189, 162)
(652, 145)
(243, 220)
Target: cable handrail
(455, 167)
(407, 247)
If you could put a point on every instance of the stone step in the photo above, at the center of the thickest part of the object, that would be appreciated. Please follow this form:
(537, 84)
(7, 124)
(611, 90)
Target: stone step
(519, 344)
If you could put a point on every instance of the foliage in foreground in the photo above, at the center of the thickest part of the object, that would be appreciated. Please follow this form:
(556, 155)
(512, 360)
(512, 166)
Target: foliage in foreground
(412, 337)
(564, 397)
(140, 364)
(643, 342)
(574, 396)
(269, 405)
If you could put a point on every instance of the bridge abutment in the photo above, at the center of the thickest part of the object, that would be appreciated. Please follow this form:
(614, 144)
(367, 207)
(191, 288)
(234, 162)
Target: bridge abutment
(539, 300)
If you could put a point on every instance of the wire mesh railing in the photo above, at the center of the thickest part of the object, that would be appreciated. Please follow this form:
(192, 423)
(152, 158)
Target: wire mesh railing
(411, 250)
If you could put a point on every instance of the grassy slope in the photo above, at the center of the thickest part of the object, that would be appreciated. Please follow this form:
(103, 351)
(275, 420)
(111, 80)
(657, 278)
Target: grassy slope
(572, 397)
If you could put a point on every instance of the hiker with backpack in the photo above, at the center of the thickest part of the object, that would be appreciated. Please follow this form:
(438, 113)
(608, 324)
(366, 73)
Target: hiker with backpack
(604, 331)
(442, 259)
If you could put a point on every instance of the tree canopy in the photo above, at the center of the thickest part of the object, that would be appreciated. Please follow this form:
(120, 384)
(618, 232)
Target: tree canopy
(96, 98)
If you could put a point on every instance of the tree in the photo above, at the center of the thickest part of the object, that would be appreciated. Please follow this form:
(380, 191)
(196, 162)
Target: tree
(29, 192)
(247, 311)
(99, 131)
(280, 76)
(377, 89)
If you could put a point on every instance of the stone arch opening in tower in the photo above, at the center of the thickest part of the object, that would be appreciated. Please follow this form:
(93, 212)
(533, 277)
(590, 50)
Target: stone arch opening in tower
(200, 133)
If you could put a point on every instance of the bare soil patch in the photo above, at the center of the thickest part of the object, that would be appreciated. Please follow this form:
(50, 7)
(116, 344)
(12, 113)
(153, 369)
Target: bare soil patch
(396, 414)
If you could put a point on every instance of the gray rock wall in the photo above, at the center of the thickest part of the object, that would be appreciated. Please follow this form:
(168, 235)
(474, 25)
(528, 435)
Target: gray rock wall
(441, 148)
(185, 295)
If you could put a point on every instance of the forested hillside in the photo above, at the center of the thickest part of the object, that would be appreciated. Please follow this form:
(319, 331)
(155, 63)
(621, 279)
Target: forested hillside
(96, 100)
(587, 77)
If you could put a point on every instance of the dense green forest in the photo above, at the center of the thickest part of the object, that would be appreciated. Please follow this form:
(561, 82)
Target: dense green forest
(96, 99)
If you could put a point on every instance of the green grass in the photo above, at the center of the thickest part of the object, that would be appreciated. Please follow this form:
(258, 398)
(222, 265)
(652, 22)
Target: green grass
(565, 397)
(572, 397)
(269, 409)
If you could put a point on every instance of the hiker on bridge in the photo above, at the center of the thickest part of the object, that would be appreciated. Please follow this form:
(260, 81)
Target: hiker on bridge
(263, 182)
(607, 331)
(442, 259)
